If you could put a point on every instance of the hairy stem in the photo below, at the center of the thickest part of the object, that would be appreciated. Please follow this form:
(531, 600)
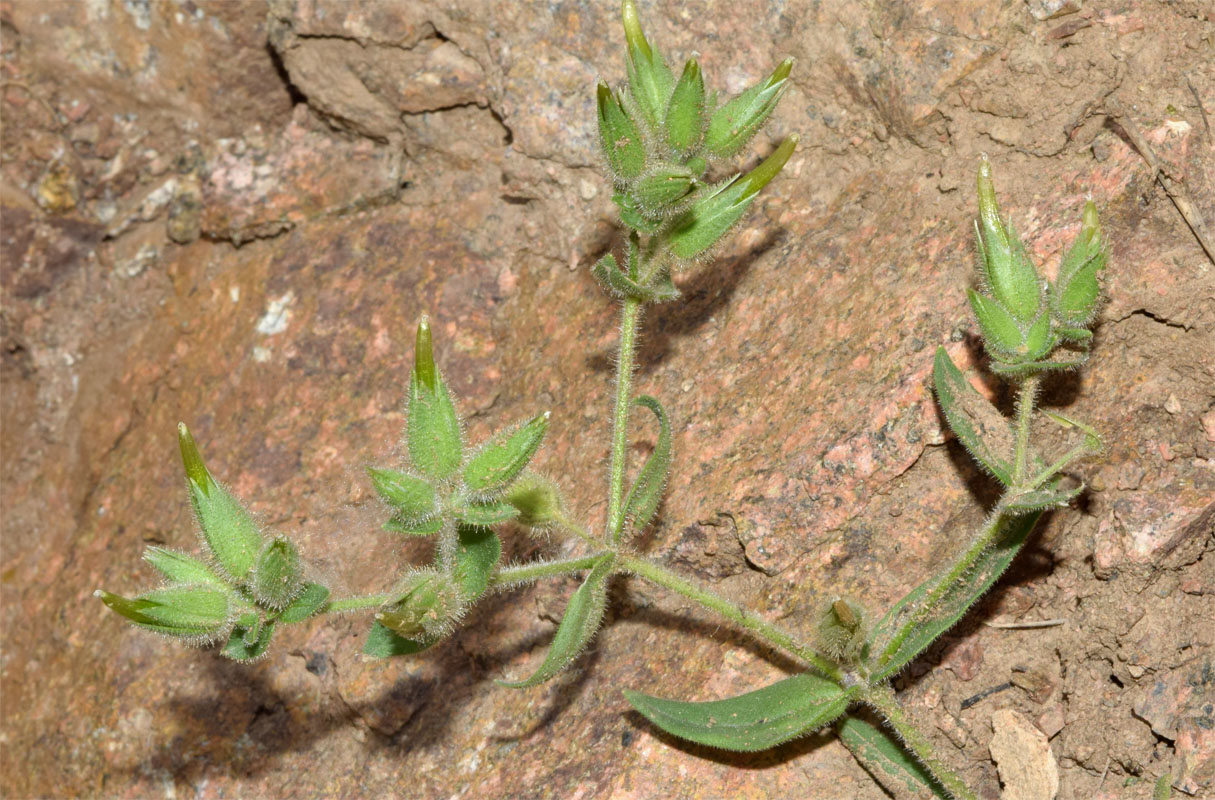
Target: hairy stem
(747, 619)
(882, 699)
(629, 319)
(1025, 413)
(355, 603)
(525, 573)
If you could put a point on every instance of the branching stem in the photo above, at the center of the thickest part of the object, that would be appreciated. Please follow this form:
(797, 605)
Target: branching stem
(355, 603)
(525, 573)
(882, 699)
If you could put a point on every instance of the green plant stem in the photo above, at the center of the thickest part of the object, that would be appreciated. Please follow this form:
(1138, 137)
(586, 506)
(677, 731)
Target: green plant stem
(747, 619)
(1025, 413)
(1063, 461)
(882, 699)
(629, 318)
(355, 603)
(523, 573)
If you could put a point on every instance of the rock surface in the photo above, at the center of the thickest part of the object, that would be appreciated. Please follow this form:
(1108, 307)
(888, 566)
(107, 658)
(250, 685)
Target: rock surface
(233, 214)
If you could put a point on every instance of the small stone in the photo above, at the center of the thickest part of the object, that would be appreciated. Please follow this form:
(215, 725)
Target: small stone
(1172, 405)
(1023, 757)
(1049, 9)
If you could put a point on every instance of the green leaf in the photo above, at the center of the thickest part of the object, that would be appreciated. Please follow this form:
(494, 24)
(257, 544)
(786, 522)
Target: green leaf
(886, 761)
(952, 606)
(180, 567)
(985, 433)
(577, 628)
(646, 494)
(249, 642)
(227, 529)
(477, 554)
(650, 78)
(662, 187)
(1042, 499)
(488, 513)
(733, 125)
(276, 578)
(199, 611)
(1001, 334)
(435, 443)
(715, 211)
(306, 603)
(383, 643)
(685, 117)
(1006, 268)
(427, 528)
(633, 217)
(616, 283)
(753, 721)
(622, 144)
(504, 456)
(412, 497)
(1163, 790)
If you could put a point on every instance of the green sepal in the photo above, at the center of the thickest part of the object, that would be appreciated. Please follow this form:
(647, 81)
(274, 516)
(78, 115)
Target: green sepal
(985, 433)
(650, 79)
(435, 442)
(1073, 297)
(277, 577)
(1039, 340)
(884, 758)
(661, 188)
(383, 643)
(632, 216)
(428, 528)
(1001, 334)
(537, 499)
(1005, 266)
(952, 605)
(423, 606)
(249, 640)
(181, 567)
(504, 457)
(715, 211)
(412, 498)
(226, 527)
(685, 118)
(750, 722)
(487, 513)
(733, 125)
(309, 601)
(477, 554)
(619, 137)
(578, 626)
(189, 611)
(617, 284)
(646, 494)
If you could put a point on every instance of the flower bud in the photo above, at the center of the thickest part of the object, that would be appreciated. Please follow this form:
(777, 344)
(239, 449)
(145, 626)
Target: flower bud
(538, 500)
(733, 125)
(227, 529)
(436, 444)
(663, 187)
(842, 631)
(277, 576)
(650, 78)
(425, 605)
(619, 137)
(1075, 293)
(1007, 272)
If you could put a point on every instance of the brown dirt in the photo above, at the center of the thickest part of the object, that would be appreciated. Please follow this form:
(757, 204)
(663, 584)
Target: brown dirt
(233, 215)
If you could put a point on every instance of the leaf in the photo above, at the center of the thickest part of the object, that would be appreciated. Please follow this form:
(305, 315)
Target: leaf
(436, 446)
(307, 603)
(985, 433)
(616, 283)
(1042, 499)
(477, 554)
(180, 567)
(577, 628)
(753, 721)
(185, 611)
(504, 456)
(733, 125)
(249, 643)
(227, 529)
(413, 498)
(488, 513)
(952, 606)
(383, 643)
(427, 528)
(646, 494)
(885, 759)
(276, 578)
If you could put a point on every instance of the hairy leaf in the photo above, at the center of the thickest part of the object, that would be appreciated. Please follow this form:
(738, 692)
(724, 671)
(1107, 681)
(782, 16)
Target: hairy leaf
(577, 628)
(985, 433)
(488, 513)
(307, 602)
(184, 611)
(885, 759)
(227, 529)
(249, 640)
(383, 643)
(276, 578)
(477, 554)
(953, 604)
(617, 284)
(436, 445)
(504, 456)
(412, 498)
(646, 494)
(750, 722)
(180, 567)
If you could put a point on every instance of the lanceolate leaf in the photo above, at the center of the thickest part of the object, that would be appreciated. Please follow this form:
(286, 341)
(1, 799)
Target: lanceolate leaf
(186, 611)
(477, 554)
(179, 567)
(577, 628)
(750, 722)
(983, 431)
(427, 528)
(412, 497)
(955, 602)
(1042, 499)
(309, 601)
(618, 284)
(488, 513)
(646, 494)
(883, 758)
(383, 643)
(504, 456)
(436, 446)
(227, 529)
